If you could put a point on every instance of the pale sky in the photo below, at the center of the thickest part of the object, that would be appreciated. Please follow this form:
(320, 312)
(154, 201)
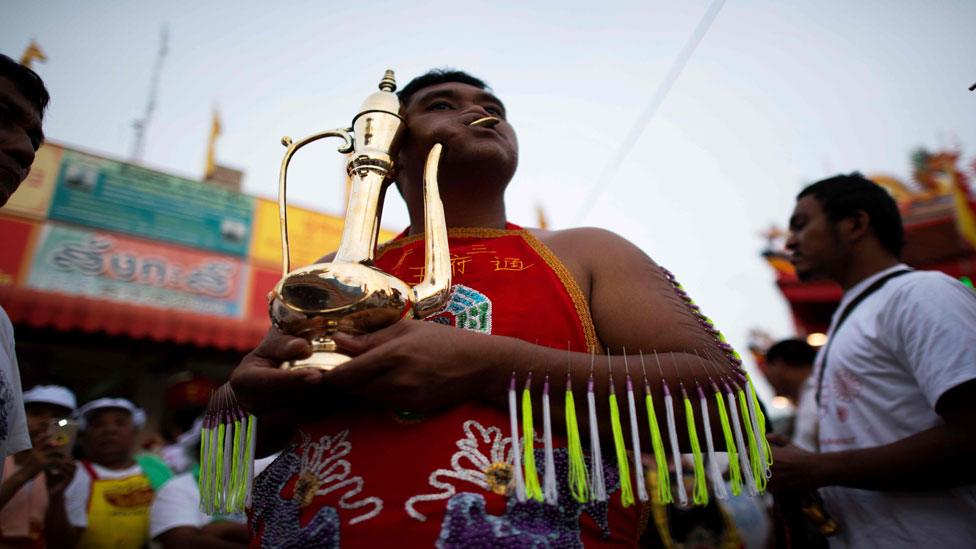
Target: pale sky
(778, 94)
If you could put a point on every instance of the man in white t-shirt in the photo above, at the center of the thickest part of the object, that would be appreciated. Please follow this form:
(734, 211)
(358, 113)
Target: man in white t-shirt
(176, 520)
(895, 384)
(23, 99)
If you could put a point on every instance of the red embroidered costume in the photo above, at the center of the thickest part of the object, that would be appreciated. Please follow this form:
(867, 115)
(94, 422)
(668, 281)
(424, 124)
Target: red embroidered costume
(362, 476)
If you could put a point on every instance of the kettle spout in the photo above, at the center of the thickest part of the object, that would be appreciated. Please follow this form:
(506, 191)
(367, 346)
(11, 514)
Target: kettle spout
(430, 295)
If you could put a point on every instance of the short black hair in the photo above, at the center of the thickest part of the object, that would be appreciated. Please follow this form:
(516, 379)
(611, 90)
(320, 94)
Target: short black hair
(438, 76)
(843, 196)
(28, 83)
(793, 352)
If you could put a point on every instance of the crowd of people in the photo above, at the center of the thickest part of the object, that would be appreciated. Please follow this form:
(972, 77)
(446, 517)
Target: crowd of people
(882, 434)
(86, 483)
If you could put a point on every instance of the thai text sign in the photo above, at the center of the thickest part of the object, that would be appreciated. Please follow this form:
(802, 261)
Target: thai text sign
(130, 199)
(113, 267)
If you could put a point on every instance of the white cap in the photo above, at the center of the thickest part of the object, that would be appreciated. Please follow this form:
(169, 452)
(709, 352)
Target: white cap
(52, 394)
(138, 415)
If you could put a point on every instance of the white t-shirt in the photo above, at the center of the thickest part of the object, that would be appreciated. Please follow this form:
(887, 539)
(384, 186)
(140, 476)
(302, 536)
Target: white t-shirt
(177, 504)
(13, 420)
(897, 353)
(77, 493)
(805, 424)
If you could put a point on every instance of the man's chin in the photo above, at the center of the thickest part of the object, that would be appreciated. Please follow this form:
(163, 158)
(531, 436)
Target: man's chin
(485, 167)
(809, 275)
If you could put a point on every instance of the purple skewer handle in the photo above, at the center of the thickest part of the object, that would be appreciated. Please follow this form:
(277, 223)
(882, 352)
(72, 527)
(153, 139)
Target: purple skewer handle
(511, 385)
(701, 394)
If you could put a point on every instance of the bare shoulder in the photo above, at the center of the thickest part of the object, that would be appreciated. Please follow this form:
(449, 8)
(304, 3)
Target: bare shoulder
(584, 244)
(585, 251)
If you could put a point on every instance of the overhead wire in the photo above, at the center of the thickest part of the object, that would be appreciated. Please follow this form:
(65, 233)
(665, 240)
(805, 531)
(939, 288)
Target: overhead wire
(641, 122)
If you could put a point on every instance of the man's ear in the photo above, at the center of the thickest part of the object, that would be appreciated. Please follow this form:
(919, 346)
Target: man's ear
(861, 225)
(854, 227)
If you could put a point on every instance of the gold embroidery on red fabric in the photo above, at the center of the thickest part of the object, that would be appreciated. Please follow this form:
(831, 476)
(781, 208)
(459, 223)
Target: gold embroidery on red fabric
(579, 300)
(456, 232)
(569, 283)
(511, 264)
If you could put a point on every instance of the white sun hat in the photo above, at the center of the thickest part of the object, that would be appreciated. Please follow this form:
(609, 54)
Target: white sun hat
(51, 394)
(138, 415)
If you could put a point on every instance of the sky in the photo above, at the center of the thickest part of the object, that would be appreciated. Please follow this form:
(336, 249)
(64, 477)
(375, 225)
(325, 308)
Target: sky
(777, 95)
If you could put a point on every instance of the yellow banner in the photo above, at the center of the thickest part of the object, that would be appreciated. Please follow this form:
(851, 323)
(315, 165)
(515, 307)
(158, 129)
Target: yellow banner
(33, 197)
(311, 234)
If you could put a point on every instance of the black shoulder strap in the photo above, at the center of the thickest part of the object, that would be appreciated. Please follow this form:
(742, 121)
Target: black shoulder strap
(846, 313)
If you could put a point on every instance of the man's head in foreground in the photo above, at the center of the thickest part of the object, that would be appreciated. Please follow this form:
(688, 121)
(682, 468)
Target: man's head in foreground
(788, 364)
(23, 99)
(439, 107)
(839, 220)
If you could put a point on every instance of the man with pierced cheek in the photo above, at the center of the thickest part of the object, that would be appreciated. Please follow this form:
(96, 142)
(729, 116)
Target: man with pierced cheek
(409, 440)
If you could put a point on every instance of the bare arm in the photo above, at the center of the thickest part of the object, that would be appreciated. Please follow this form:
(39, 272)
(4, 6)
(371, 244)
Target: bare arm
(58, 530)
(13, 484)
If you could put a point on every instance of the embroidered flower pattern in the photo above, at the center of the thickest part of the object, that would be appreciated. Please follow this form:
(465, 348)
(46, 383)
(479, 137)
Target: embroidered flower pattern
(525, 524)
(484, 460)
(325, 470)
(277, 518)
(468, 464)
(302, 473)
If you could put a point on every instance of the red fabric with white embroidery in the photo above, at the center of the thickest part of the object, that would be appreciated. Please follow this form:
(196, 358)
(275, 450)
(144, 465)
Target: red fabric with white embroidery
(532, 298)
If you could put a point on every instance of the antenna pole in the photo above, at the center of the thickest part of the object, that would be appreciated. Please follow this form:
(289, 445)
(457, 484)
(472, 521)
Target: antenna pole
(140, 125)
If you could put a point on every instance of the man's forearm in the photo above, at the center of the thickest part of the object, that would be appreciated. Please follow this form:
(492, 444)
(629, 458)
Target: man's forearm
(57, 530)
(941, 457)
(506, 355)
(12, 485)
